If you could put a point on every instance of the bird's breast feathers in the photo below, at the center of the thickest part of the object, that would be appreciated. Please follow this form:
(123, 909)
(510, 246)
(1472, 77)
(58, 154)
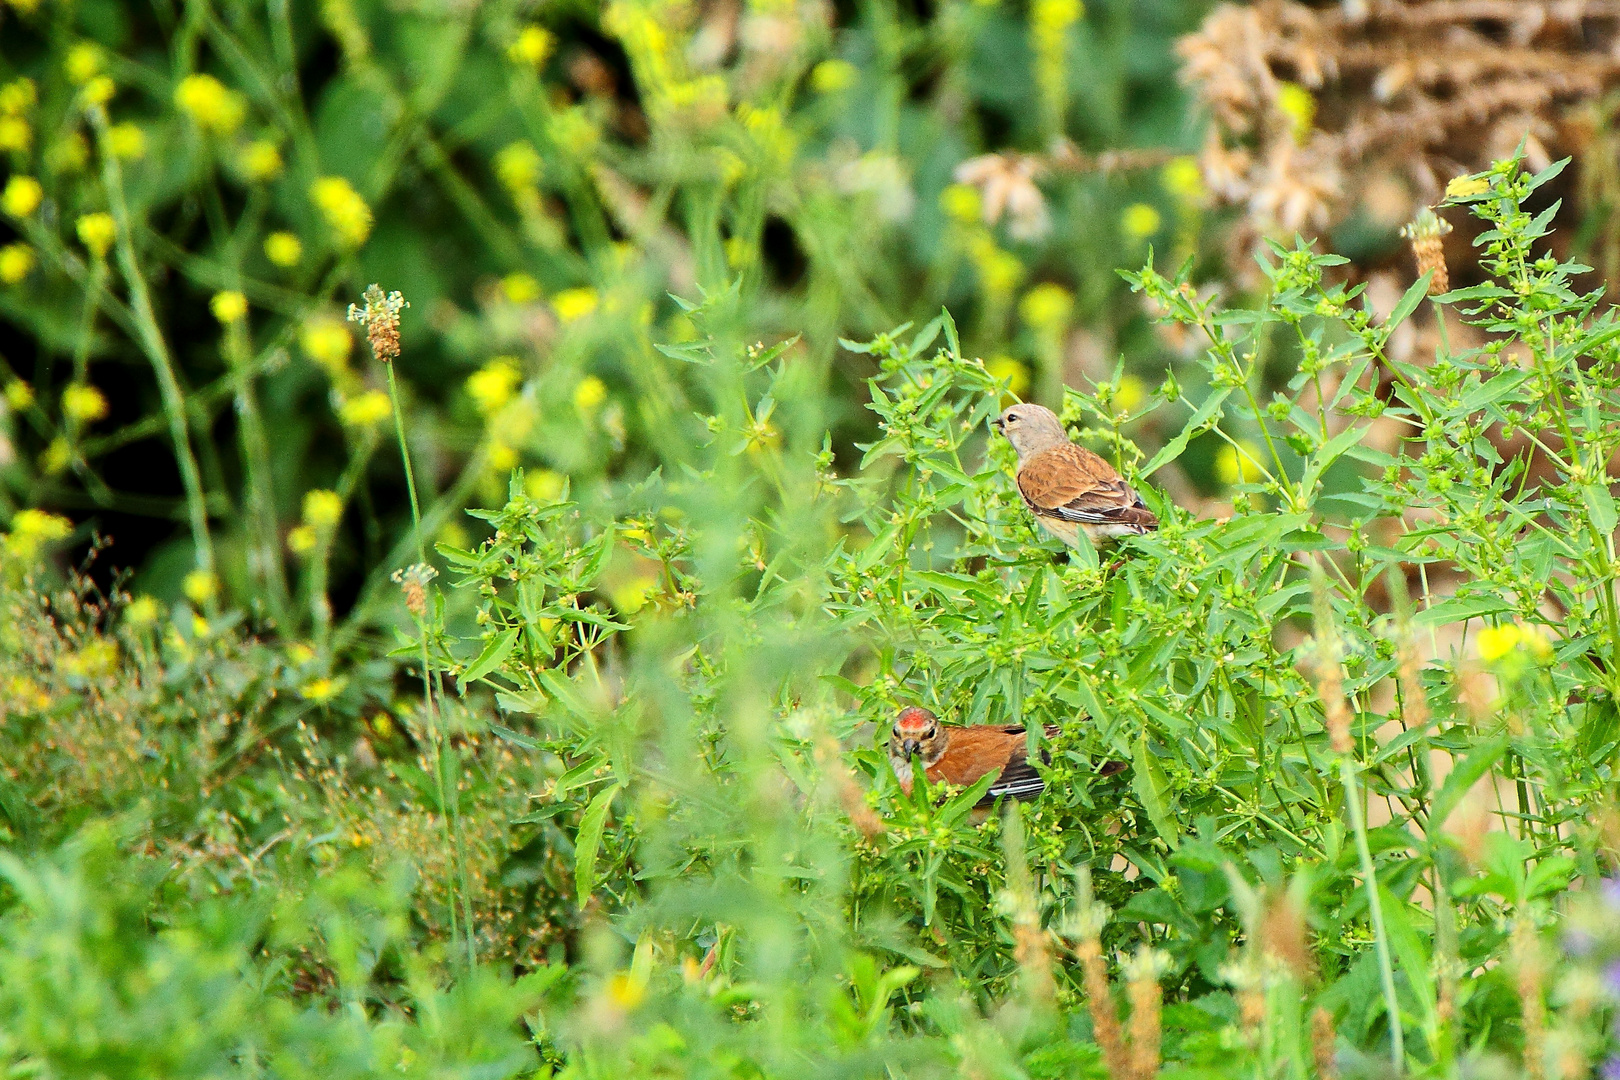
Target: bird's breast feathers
(1068, 484)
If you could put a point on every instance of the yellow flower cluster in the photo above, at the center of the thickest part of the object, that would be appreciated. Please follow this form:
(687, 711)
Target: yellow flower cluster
(518, 166)
(1046, 308)
(1140, 221)
(589, 394)
(1010, 371)
(15, 134)
(327, 341)
(97, 232)
(366, 410)
(32, 530)
(323, 510)
(532, 47)
(210, 104)
(126, 141)
(83, 404)
(284, 249)
(571, 305)
(345, 212)
(520, 288)
(82, 63)
(1296, 103)
(492, 386)
(1499, 643)
(1238, 464)
(229, 306)
(833, 76)
(142, 611)
(200, 587)
(1183, 180)
(16, 262)
(22, 196)
(999, 271)
(259, 161)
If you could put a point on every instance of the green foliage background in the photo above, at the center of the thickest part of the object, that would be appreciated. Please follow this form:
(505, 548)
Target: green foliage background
(600, 788)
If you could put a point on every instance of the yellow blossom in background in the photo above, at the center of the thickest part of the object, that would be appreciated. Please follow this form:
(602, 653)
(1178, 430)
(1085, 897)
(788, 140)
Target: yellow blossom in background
(1466, 187)
(15, 134)
(19, 395)
(740, 252)
(284, 249)
(492, 385)
(1183, 180)
(1046, 307)
(1496, 643)
(260, 160)
(127, 141)
(1049, 23)
(210, 104)
(141, 612)
(32, 529)
(301, 539)
(574, 131)
(321, 690)
(1140, 221)
(83, 404)
(532, 46)
(520, 288)
(590, 393)
(16, 262)
(1130, 394)
(501, 457)
(1238, 464)
(327, 341)
(229, 306)
(323, 509)
(345, 212)
(22, 196)
(364, 410)
(455, 535)
(98, 91)
(518, 166)
(1296, 103)
(574, 304)
(18, 97)
(1012, 372)
(200, 587)
(999, 271)
(96, 660)
(631, 596)
(82, 63)
(543, 485)
(832, 76)
(57, 456)
(68, 154)
(97, 232)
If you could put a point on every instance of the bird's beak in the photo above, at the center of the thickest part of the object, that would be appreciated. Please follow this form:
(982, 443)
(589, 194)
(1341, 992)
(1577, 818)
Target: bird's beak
(996, 423)
(908, 748)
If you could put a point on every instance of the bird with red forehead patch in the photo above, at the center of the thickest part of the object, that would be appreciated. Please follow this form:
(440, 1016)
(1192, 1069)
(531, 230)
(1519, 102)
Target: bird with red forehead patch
(963, 755)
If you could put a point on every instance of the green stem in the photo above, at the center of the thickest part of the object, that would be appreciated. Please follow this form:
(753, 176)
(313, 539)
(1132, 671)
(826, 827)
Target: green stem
(1375, 911)
(157, 351)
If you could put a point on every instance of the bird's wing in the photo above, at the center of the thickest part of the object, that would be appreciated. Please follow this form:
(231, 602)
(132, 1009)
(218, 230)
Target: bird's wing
(1071, 483)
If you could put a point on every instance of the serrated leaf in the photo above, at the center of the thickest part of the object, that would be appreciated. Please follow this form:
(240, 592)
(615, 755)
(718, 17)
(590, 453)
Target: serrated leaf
(495, 650)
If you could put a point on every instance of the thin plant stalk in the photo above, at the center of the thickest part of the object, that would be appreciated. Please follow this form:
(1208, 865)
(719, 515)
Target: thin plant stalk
(256, 463)
(1375, 912)
(157, 351)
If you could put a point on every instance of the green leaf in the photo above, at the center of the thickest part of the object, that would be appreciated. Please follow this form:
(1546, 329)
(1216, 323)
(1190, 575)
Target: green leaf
(1200, 422)
(588, 841)
(495, 650)
(1151, 787)
(1464, 776)
(1414, 296)
(1600, 506)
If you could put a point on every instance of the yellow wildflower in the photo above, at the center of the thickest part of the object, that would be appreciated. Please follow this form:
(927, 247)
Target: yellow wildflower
(1496, 643)
(1238, 464)
(574, 304)
(631, 596)
(1140, 221)
(16, 262)
(68, 154)
(532, 46)
(962, 203)
(492, 385)
(1046, 307)
(364, 410)
(321, 690)
(82, 63)
(520, 288)
(323, 509)
(18, 97)
(96, 660)
(98, 91)
(142, 611)
(1130, 394)
(518, 166)
(15, 134)
(1466, 187)
(210, 104)
(501, 457)
(127, 141)
(260, 161)
(1010, 371)
(1296, 103)
(56, 457)
(543, 485)
(200, 587)
(301, 539)
(83, 404)
(19, 395)
(229, 306)
(344, 210)
(590, 393)
(831, 76)
(285, 249)
(97, 232)
(1183, 180)
(22, 196)
(327, 341)
(32, 529)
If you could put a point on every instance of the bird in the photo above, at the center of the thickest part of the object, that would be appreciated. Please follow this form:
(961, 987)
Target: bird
(1067, 487)
(963, 755)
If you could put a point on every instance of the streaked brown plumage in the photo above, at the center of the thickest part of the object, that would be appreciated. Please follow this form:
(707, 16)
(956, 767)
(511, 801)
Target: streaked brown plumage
(1067, 487)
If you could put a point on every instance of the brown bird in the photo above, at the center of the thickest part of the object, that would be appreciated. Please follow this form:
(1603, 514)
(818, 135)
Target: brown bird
(1066, 486)
(963, 755)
